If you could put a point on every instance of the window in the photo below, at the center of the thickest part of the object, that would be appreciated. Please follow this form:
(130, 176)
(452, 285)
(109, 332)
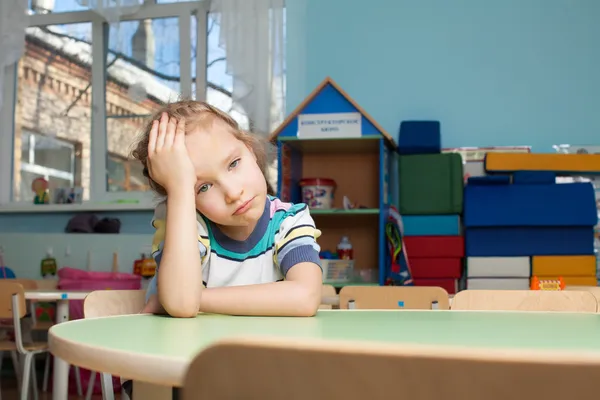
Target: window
(83, 90)
(56, 160)
(53, 99)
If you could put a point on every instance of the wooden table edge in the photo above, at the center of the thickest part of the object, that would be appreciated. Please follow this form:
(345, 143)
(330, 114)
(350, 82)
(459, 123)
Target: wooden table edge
(166, 371)
(171, 371)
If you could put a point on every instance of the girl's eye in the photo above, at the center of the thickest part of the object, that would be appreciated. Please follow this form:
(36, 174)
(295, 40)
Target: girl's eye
(204, 188)
(234, 164)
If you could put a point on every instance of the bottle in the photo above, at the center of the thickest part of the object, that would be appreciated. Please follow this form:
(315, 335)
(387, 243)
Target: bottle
(48, 265)
(344, 249)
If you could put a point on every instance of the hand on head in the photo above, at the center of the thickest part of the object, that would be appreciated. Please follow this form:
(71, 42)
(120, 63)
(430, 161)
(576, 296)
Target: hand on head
(169, 164)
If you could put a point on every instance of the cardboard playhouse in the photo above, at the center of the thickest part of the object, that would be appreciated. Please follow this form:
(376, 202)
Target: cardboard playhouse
(519, 223)
(331, 138)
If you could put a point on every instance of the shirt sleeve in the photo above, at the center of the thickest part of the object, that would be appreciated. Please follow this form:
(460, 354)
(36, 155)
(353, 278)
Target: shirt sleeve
(296, 241)
(158, 241)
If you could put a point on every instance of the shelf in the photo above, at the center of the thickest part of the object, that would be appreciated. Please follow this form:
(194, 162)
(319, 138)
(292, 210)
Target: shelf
(358, 211)
(364, 144)
(71, 208)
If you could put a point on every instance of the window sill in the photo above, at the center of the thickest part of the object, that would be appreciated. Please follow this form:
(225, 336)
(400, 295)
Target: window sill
(25, 208)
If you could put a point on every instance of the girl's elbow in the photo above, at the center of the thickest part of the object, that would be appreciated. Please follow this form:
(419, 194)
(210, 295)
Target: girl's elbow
(309, 303)
(180, 307)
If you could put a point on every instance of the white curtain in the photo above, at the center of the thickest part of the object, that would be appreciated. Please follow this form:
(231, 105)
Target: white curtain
(13, 21)
(252, 35)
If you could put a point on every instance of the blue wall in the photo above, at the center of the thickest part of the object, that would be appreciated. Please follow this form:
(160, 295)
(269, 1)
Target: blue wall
(508, 72)
(501, 72)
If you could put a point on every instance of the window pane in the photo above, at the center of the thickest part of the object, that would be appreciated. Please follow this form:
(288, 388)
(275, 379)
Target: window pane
(53, 108)
(143, 75)
(46, 6)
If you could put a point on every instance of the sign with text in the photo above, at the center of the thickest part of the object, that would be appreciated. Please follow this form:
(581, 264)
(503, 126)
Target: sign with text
(323, 126)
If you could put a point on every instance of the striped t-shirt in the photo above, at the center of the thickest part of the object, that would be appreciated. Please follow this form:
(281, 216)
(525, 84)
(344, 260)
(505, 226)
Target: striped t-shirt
(285, 235)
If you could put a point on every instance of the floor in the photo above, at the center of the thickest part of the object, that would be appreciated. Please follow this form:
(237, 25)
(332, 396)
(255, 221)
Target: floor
(10, 392)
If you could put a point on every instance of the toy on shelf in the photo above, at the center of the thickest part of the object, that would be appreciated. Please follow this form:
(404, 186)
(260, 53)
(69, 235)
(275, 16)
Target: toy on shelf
(318, 192)
(547, 284)
(5, 272)
(40, 188)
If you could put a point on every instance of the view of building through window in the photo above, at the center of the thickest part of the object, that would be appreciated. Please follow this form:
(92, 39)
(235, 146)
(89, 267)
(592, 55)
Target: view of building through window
(53, 107)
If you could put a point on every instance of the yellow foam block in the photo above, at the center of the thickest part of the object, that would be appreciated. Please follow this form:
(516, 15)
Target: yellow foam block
(573, 280)
(508, 162)
(563, 266)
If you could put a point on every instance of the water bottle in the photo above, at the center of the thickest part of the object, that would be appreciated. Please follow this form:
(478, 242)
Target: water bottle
(344, 249)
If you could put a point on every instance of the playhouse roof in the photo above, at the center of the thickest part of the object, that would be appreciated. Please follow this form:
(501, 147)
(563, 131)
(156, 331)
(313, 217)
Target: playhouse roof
(314, 94)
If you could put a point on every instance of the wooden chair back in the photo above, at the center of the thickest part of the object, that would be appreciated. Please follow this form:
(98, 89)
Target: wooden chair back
(105, 303)
(327, 292)
(525, 300)
(394, 297)
(594, 290)
(8, 287)
(267, 369)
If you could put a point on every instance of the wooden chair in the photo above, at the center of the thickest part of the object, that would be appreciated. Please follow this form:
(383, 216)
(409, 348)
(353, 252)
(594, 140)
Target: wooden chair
(525, 300)
(594, 290)
(328, 296)
(13, 307)
(252, 368)
(106, 303)
(394, 297)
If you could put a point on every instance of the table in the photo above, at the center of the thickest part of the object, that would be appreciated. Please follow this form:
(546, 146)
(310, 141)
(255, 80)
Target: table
(60, 369)
(158, 349)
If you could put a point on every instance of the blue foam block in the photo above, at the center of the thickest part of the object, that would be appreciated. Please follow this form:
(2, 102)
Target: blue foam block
(431, 225)
(528, 241)
(534, 177)
(568, 204)
(489, 180)
(419, 137)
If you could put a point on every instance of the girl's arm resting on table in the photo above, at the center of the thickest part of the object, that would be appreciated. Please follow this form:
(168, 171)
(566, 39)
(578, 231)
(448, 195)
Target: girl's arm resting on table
(298, 296)
(180, 277)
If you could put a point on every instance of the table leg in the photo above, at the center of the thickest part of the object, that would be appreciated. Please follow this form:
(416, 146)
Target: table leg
(60, 379)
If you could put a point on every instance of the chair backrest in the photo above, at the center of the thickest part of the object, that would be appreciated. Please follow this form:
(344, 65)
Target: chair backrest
(8, 287)
(594, 290)
(394, 297)
(525, 300)
(327, 291)
(105, 303)
(28, 284)
(322, 370)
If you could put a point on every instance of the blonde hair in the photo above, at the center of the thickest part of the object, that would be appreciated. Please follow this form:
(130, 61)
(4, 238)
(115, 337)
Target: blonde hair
(199, 114)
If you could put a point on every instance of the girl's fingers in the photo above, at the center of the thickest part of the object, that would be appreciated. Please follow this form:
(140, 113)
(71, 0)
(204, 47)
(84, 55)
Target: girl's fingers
(162, 131)
(170, 135)
(152, 138)
(180, 132)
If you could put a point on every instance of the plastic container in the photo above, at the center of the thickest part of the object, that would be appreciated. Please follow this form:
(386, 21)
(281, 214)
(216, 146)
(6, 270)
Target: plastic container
(344, 249)
(318, 192)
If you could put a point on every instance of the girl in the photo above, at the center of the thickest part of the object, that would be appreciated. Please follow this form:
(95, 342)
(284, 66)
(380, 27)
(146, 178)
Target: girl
(223, 243)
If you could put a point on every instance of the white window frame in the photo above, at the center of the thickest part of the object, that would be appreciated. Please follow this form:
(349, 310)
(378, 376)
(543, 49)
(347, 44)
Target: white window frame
(98, 141)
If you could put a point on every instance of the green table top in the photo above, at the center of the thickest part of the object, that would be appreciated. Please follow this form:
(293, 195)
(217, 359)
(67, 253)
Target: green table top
(183, 338)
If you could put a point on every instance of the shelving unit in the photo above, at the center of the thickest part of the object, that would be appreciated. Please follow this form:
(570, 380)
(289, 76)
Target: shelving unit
(359, 156)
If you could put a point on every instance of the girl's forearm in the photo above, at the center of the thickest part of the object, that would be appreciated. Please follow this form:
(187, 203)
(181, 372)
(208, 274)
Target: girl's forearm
(287, 298)
(180, 274)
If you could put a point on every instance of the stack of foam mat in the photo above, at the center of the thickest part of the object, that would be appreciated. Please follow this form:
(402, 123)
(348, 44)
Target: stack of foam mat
(524, 223)
(431, 203)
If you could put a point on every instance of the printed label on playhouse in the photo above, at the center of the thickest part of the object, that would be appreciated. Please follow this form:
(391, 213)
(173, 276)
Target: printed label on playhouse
(320, 126)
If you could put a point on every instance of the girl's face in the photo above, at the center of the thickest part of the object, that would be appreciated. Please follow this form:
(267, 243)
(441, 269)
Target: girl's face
(230, 188)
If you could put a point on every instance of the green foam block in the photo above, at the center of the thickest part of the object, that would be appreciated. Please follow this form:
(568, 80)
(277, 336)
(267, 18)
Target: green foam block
(431, 184)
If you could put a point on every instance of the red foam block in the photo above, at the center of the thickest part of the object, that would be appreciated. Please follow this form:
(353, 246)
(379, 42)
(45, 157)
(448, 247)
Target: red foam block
(435, 246)
(435, 267)
(451, 285)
